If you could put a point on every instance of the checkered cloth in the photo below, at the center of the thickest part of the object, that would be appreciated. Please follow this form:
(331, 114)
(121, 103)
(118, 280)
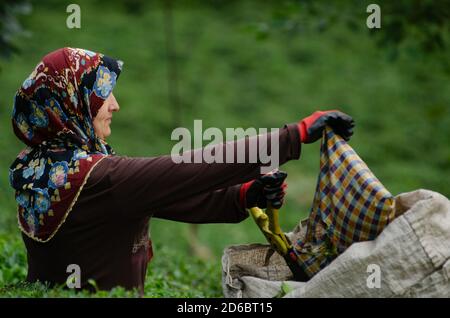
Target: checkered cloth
(350, 205)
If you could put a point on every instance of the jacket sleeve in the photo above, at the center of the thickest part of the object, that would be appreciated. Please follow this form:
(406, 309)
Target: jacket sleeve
(219, 206)
(145, 186)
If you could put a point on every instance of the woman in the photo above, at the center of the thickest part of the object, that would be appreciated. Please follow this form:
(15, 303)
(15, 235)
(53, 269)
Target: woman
(79, 203)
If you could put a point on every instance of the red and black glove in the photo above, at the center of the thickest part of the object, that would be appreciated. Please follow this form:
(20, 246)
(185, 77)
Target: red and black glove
(311, 127)
(267, 188)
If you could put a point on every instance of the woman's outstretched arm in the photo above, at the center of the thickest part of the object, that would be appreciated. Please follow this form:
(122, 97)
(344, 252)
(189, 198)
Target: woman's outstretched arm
(143, 186)
(219, 206)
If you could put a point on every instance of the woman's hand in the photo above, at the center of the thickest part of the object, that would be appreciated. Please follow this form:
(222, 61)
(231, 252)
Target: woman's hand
(267, 188)
(311, 127)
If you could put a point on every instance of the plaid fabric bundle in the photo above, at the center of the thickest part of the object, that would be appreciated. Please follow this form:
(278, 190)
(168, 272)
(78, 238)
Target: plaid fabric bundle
(350, 205)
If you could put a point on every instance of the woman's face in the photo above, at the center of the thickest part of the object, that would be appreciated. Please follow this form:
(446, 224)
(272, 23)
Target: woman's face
(104, 116)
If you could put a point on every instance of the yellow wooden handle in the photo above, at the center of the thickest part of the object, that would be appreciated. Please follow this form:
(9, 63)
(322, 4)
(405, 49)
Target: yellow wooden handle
(274, 224)
(269, 225)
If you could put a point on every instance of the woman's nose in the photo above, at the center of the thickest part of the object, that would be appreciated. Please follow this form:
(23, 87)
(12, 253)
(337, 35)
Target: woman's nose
(114, 106)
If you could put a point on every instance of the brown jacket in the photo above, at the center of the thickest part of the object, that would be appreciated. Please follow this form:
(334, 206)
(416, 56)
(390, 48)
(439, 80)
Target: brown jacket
(106, 233)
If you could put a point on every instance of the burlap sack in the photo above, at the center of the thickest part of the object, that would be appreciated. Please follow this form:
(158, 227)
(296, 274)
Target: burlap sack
(411, 254)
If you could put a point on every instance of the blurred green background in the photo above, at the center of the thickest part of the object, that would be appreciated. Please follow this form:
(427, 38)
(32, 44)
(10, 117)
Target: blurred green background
(243, 64)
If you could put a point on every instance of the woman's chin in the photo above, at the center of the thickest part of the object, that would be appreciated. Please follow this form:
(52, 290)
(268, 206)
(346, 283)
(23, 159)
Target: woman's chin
(107, 133)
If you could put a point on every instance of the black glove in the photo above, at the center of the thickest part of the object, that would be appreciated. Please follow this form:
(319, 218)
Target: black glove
(311, 127)
(267, 188)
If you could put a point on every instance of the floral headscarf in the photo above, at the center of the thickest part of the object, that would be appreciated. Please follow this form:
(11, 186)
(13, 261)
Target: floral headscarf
(53, 115)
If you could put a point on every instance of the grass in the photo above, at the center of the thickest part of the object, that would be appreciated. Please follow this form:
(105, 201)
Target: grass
(171, 274)
(229, 78)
